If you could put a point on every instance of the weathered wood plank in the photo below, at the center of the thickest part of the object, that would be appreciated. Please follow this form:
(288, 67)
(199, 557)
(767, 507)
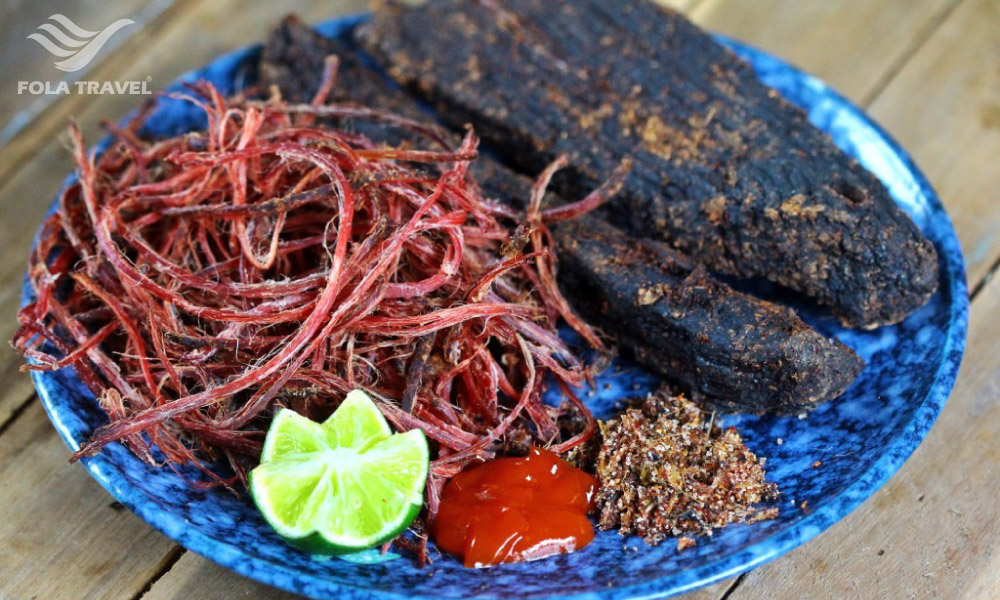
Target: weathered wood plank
(712, 592)
(33, 118)
(62, 535)
(25, 119)
(851, 45)
(186, 581)
(933, 531)
(944, 107)
(18, 388)
(27, 60)
(15, 387)
(681, 5)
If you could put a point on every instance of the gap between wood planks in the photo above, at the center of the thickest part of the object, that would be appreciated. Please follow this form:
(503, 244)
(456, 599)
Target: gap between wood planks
(736, 583)
(23, 109)
(979, 285)
(168, 562)
(52, 121)
(17, 412)
(918, 42)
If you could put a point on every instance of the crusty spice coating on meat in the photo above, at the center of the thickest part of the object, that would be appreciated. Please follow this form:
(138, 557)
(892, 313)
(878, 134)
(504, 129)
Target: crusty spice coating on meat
(730, 350)
(725, 170)
(667, 470)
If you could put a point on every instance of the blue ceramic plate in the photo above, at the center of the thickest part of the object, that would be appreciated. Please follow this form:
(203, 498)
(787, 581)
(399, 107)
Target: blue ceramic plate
(860, 439)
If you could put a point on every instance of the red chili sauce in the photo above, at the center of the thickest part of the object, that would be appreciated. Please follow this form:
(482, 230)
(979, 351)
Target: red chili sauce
(515, 509)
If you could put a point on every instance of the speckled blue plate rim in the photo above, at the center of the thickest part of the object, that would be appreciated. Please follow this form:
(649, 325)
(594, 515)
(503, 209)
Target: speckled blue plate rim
(895, 453)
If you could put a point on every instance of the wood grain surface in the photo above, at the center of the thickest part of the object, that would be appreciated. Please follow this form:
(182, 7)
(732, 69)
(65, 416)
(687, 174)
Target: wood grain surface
(186, 581)
(928, 69)
(63, 535)
(944, 107)
(35, 63)
(852, 46)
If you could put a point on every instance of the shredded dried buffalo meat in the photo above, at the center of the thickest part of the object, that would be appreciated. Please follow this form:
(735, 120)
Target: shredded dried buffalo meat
(197, 283)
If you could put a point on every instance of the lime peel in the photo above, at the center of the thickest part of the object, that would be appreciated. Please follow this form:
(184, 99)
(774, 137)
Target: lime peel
(341, 486)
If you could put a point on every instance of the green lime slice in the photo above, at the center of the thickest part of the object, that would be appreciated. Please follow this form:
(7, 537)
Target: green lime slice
(343, 485)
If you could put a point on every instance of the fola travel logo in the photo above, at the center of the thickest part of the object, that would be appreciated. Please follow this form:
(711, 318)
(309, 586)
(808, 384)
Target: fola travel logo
(74, 43)
(77, 47)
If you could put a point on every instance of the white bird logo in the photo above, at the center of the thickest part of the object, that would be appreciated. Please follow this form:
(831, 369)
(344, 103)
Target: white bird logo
(73, 43)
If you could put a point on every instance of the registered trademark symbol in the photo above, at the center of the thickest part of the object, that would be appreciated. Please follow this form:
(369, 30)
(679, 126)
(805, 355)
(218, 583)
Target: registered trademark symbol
(149, 77)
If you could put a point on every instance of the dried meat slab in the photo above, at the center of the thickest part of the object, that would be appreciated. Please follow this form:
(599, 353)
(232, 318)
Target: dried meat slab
(730, 350)
(726, 170)
(292, 61)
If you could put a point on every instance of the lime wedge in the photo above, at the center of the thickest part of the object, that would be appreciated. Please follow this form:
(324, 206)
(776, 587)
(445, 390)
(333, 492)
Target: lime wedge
(343, 485)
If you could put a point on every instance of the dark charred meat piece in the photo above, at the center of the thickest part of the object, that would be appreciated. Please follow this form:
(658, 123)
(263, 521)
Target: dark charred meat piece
(725, 170)
(293, 60)
(754, 356)
(731, 350)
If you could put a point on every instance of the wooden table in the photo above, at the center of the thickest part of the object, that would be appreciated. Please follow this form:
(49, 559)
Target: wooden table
(928, 70)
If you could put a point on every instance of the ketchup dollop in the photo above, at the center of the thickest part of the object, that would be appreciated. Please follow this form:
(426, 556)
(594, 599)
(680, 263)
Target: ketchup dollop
(515, 509)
